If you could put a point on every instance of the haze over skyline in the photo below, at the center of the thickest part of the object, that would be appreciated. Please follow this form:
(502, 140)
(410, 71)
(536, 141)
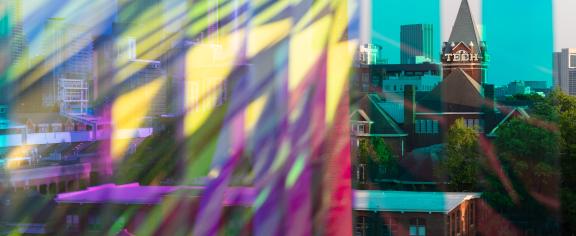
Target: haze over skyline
(550, 30)
(537, 27)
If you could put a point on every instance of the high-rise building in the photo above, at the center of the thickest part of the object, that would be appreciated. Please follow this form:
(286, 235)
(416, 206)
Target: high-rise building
(140, 29)
(68, 53)
(141, 42)
(12, 49)
(417, 43)
(565, 70)
(148, 71)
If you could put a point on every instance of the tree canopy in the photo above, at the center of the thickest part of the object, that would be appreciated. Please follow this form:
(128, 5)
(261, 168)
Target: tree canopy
(461, 160)
(377, 154)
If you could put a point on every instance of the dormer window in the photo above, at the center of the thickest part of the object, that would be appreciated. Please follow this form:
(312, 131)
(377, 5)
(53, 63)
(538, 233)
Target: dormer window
(360, 128)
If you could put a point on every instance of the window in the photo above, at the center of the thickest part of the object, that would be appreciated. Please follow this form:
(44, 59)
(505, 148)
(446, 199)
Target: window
(72, 222)
(474, 123)
(361, 226)
(572, 82)
(365, 77)
(470, 213)
(361, 128)
(426, 127)
(417, 227)
(452, 224)
(131, 49)
(361, 173)
(572, 60)
(458, 221)
(94, 223)
(390, 226)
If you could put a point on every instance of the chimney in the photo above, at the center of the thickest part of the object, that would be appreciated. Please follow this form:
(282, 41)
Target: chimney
(409, 112)
(489, 107)
(489, 102)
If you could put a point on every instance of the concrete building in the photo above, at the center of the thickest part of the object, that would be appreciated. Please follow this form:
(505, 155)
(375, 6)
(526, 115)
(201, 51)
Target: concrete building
(565, 70)
(521, 87)
(370, 54)
(384, 78)
(147, 71)
(537, 85)
(12, 50)
(68, 54)
(417, 44)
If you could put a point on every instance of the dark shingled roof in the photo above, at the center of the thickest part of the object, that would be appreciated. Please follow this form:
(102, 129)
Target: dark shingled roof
(383, 123)
(458, 90)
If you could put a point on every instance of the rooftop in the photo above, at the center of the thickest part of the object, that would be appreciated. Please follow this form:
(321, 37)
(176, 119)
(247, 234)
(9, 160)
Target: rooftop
(404, 201)
(134, 193)
(374, 200)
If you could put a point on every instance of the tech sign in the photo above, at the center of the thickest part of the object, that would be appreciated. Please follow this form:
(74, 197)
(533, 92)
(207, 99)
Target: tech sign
(461, 56)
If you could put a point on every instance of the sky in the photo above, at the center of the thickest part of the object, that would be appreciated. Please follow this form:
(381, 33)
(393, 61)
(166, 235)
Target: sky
(520, 37)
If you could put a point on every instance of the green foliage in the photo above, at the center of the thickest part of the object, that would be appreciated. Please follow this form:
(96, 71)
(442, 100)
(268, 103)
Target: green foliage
(382, 151)
(528, 150)
(364, 151)
(534, 97)
(461, 160)
(566, 107)
(378, 155)
(528, 140)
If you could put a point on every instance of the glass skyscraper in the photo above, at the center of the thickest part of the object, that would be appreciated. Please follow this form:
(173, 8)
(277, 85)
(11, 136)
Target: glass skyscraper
(417, 43)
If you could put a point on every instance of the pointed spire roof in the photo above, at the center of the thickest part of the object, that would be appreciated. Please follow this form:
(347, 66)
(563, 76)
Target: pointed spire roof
(464, 29)
(458, 89)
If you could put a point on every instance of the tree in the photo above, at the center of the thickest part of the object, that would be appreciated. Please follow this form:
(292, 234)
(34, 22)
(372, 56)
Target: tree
(528, 150)
(530, 147)
(461, 160)
(566, 107)
(377, 154)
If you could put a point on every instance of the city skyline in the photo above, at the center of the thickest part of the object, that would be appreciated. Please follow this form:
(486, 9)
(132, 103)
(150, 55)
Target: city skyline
(551, 31)
(240, 117)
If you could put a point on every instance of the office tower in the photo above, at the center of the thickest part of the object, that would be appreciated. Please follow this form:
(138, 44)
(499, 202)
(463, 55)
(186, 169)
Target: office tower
(139, 28)
(141, 42)
(68, 53)
(565, 70)
(147, 71)
(417, 44)
(12, 49)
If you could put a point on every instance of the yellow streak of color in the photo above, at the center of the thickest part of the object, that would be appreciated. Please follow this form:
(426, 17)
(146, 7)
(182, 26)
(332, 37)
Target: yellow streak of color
(253, 113)
(306, 47)
(129, 111)
(15, 155)
(340, 58)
